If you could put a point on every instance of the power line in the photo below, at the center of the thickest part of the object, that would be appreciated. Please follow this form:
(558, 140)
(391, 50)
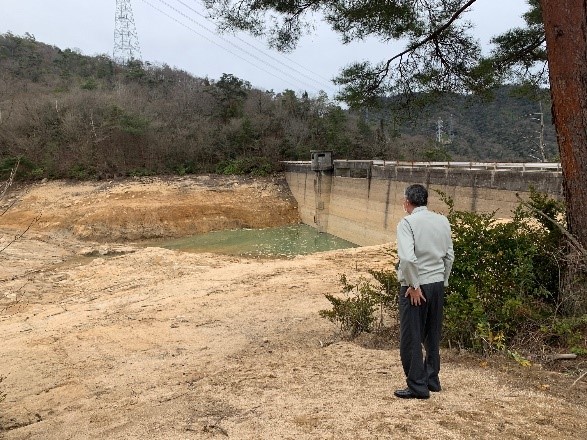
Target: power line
(229, 50)
(234, 46)
(319, 81)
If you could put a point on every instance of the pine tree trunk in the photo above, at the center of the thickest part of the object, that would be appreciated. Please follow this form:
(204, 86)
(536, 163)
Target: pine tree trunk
(565, 23)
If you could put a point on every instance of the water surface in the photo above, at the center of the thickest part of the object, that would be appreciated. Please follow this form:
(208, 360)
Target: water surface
(280, 242)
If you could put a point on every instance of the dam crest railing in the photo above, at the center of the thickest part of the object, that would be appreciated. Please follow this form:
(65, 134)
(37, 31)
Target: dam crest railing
(493, 166)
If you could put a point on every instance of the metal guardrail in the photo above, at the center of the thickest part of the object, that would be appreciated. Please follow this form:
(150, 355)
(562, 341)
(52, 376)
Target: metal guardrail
(496, 166)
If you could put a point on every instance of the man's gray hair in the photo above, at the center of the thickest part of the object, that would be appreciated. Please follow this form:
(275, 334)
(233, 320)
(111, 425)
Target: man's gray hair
(417, 195)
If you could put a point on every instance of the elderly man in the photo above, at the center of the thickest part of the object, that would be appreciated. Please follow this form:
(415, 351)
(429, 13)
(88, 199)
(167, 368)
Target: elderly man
(425, 251)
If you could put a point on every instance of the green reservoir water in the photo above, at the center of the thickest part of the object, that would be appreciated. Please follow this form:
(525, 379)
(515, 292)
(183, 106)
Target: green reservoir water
(281, 242)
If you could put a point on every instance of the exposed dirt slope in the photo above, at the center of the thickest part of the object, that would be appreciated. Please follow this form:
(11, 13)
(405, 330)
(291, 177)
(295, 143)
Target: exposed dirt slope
(152, 207)
(109, 340)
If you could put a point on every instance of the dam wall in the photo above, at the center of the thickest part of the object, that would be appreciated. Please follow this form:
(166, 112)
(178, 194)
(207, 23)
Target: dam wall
(361, 201)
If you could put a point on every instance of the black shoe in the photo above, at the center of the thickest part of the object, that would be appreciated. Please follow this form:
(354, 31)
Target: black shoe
(434, 389)
(408, 394)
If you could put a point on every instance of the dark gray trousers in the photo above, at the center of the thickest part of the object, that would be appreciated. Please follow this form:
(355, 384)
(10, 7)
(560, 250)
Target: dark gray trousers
(421, 325)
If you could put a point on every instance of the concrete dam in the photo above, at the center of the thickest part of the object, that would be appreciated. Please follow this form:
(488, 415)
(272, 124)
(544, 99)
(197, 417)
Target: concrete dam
(361, 200)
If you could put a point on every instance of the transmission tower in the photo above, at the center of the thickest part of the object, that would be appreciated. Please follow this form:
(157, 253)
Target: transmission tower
(126, 41)
(439, 130)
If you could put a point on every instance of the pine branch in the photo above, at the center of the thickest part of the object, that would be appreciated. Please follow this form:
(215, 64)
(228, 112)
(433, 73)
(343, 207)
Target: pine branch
(432, 37)
(563, 230)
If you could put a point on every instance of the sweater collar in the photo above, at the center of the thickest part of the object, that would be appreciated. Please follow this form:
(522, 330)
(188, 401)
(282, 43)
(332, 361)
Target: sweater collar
(418, 209)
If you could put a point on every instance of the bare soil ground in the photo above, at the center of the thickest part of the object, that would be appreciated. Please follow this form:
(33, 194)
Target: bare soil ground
(104, 338)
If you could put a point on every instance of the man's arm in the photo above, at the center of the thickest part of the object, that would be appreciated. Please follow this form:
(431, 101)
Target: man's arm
(408, 262)
(448, 259)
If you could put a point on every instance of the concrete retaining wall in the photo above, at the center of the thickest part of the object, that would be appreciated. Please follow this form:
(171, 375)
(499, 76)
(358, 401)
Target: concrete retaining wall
(361, 201)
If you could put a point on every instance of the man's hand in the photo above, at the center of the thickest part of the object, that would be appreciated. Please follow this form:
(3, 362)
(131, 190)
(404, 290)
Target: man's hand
(416, 296)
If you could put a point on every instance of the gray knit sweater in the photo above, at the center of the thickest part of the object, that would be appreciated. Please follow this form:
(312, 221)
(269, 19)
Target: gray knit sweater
(424, 247)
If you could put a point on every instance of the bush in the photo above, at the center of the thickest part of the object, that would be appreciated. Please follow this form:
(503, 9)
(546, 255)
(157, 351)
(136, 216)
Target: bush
(255, 166)
(567, 332)
(505, 276)
(141, 172)
(80, 172)
(356, 310)
(22, 165)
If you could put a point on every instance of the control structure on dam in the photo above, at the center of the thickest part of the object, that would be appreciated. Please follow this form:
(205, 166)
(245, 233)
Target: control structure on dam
(361, 200)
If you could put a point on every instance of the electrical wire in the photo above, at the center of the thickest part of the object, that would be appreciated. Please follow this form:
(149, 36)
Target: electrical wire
(228, 49)
(318, 79)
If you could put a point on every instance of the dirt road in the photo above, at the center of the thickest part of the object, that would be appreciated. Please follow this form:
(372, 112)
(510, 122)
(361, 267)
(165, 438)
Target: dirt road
(105, 339)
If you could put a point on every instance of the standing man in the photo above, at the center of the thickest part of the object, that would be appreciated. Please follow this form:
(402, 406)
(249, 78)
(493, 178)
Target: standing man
(425, 251)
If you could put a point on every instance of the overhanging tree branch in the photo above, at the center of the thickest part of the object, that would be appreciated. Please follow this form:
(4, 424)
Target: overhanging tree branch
(563, 230)
(518, 55)
(431, 37)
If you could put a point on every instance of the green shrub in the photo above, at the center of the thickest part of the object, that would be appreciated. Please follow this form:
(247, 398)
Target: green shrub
(255, 166)
(141, 172)
(567, 332)
(132, 124)
(505, 276)
(79, 172)
(38, 173)
(23, 167)
(356, 310)
(180, 170)
(89, 84)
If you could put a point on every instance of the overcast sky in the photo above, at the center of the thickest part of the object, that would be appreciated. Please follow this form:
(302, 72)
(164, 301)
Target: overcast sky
(176, 32)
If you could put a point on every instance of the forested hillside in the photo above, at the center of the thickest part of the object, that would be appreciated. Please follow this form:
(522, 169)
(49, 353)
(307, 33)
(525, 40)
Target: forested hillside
(70, 115)
(503, 127)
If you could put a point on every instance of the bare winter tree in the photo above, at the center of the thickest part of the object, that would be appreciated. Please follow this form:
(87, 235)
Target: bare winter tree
(6, 207)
